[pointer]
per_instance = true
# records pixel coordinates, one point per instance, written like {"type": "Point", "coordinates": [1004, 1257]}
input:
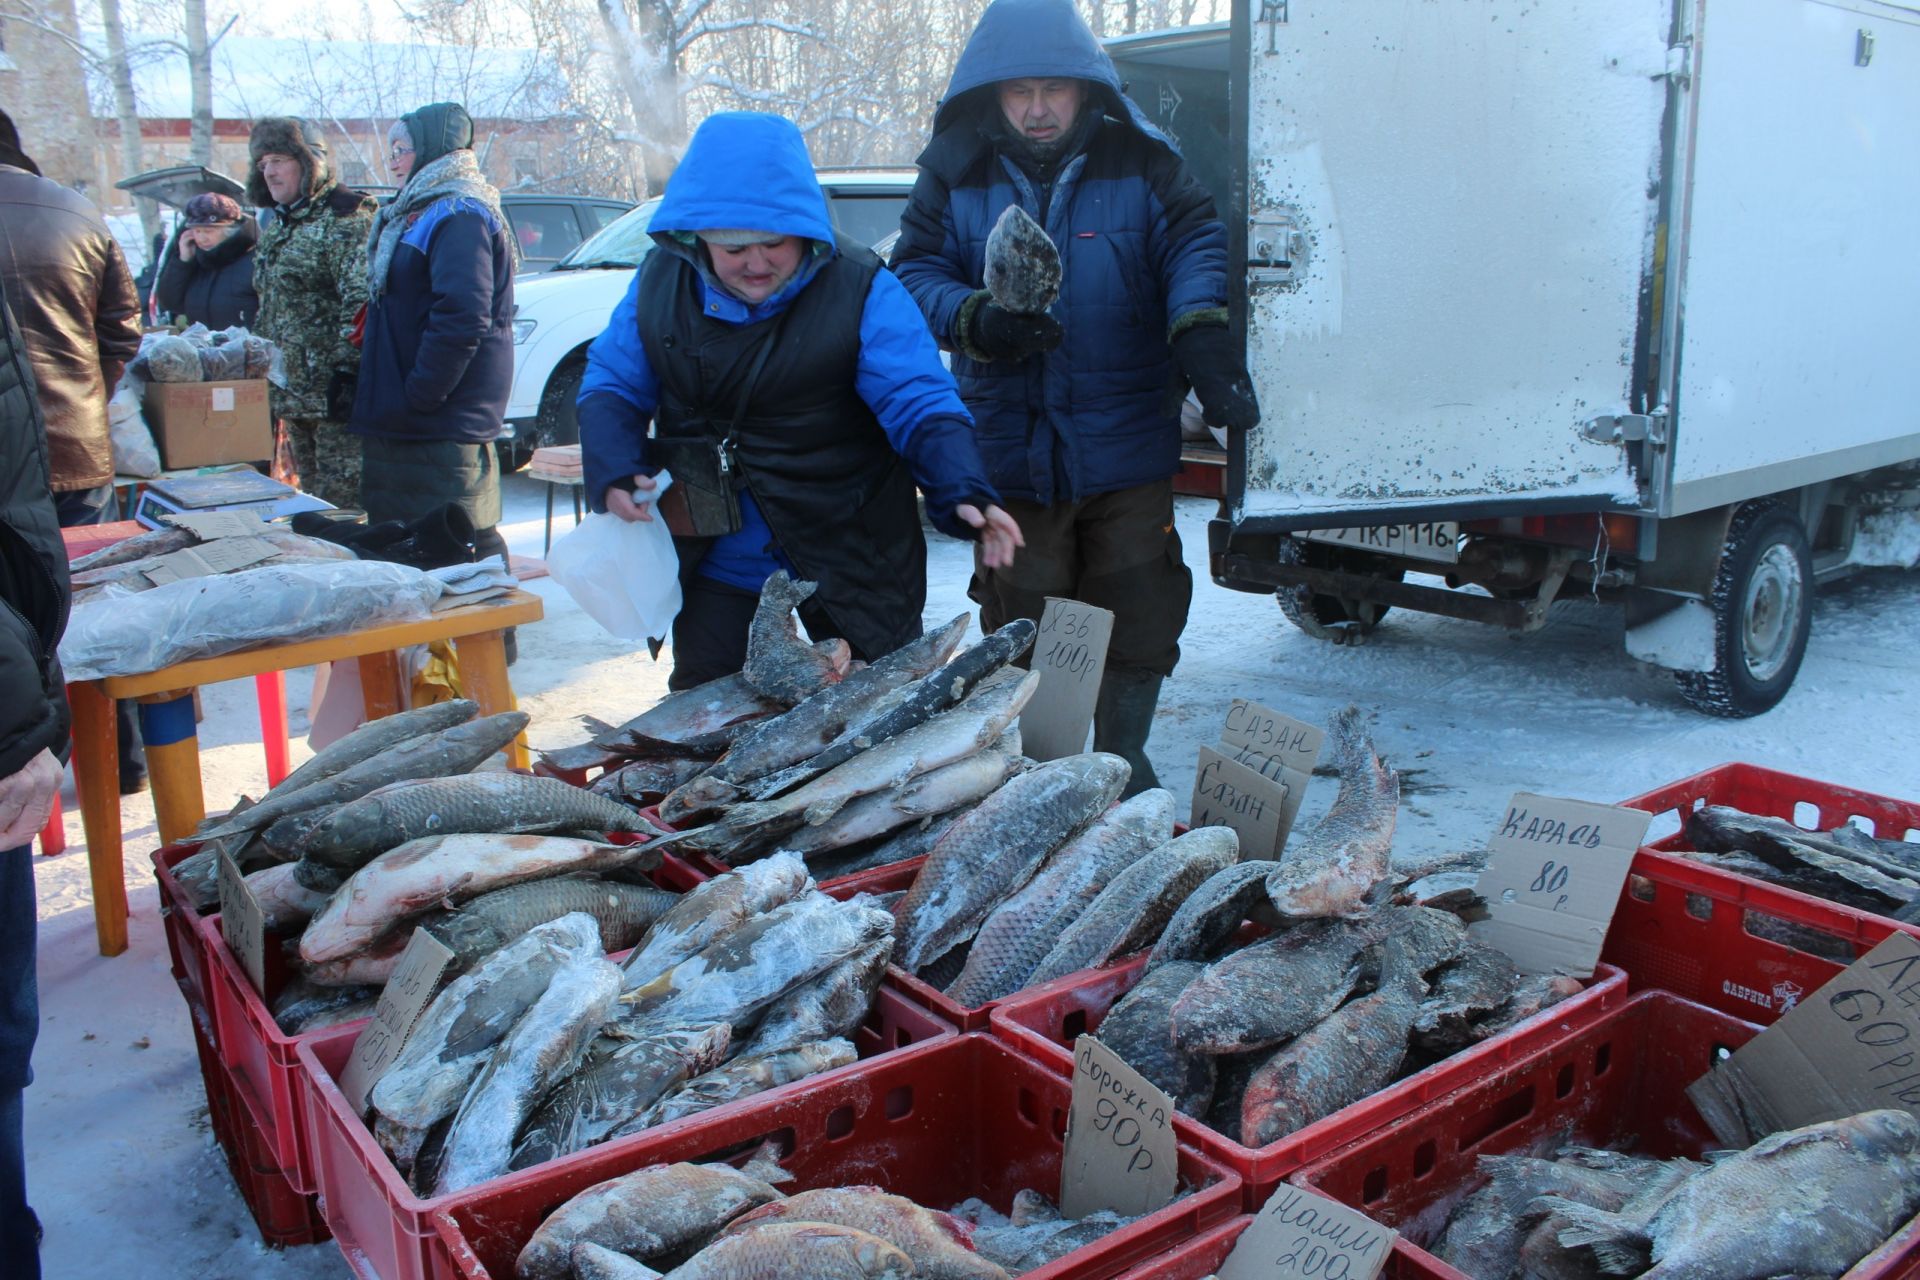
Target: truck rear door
{"type": "Point", "coordinates": [1452, 221]}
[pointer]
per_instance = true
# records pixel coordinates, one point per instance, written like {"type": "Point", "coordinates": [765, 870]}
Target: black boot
{"type": "Point", "coordinates": [442, 537]}
{"type": "Point", "coordinates": [1122, 719]}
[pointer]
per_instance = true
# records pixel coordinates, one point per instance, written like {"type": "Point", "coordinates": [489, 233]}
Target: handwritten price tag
{"type": "Point", "coordinates": [1227, 793]}
{"type": "Point", "coordinates": [1120, 1152]}
{"type": "Point", "coordinates": [1070, 653]}
{"type": "Point", "coordinates": [1276, 747]}
{"type": "Point", "coordinates": [1553, 879]}
{"type": "Point", "coordinates": [415, 980]}
{"type": "Point", "coordinates": [242, 923]}
{"type": "Point", "coordinates": [1302, 1235]}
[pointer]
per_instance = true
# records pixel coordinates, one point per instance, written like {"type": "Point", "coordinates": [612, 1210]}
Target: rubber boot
{"type": "Point", "coordinates": [442, 537]}
{"type": "Point", "coordinates": [1122, 719]}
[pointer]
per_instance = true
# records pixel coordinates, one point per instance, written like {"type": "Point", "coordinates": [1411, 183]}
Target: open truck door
{"type": "Point", "coordinates": [1519, 314]}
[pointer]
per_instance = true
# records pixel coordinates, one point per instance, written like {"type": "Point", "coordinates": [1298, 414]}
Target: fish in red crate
{"type": "Point", "coordinates": [939, 1245]}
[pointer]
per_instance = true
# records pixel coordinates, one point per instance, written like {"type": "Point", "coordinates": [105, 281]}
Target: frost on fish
{"type": "Point", "coordinates": [826, 1007]}
{"type": "Point", "coordinates": [742, 1078]}
{"type": "Point", "coordinates": [939, 1244]}
{"type": "Point", "coordinates": [653, 1211]}
{"type": "Point", "coordinates": [613, 1087]}
{"type": "Point", "coordinates": [1022, 265]}
{"type": "Point", "coordinates": [1331, 869]}
{"type": "Point", "coordinates": [713, 909]}
{"type": "Point", "coordinates": [779, 664]}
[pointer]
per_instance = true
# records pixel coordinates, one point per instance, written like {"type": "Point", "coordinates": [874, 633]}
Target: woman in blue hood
{"type": "Point", "coordinates": [796, 397]}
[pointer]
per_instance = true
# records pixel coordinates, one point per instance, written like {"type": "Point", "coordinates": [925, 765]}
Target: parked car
{"type": "Point", "coordinates": [558, 313]}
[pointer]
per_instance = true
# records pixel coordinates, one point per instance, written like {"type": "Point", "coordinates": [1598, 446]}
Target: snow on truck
{"type": "Point", "coordinates": [1609, 297]}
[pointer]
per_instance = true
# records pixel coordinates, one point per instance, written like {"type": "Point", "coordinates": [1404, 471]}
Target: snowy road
{"type": "Point", "coordinates": [120, 1158]}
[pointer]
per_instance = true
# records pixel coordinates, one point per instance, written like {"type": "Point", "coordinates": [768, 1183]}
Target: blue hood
{"type": "Point", "coordinates": [1040, 38]}
{"type": "Point", "coordinates": [749, 170]}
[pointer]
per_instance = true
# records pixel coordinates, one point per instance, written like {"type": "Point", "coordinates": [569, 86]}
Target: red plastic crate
{"type": "Point", "coordinates": [267, 1075]}
{"type": "Point", "coordinates": [962, 1118]}
{"type": "Point", "coordinates": [1685, 927]}
{"type": "Point", "coordinates": [283, 1215]}
{"type": "Point", "coordinates": [1197, 1259]}
{"type": "Point", "coordinates": [387, 1230]}
{"type": "Point", "coordinates": [1043, 1024]}
{"type": "Point", "coordinates": [181, 922]}
{"type": "Point", "coordinates": [1619, 1081]}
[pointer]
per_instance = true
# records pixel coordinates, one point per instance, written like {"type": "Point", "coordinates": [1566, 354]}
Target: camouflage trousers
{"type": "Point", "coordinates": [327, 458]}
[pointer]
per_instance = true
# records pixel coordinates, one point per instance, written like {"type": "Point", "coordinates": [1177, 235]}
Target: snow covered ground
{"type": "Point", "coordinates": [121, 1162]}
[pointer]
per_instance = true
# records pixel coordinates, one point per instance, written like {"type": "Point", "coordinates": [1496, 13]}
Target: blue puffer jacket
{"type": "Point", "coordinates": [899, 375]}
{"type": "Point", "coordinates": [1143, 255]}
{"type": "Point", "coordinates": [436, 361]}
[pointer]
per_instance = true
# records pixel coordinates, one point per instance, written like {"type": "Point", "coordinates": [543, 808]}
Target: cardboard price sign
{"type": "Point", "coordinates": [222, 555]}
{"type": "Point", "coordinates": [1120, 1152]}
{"type": "Point", "coordinates": [1302, 1235]}
{"type": "Point", "coordinates": [1553, 880]}
{"type": "Point", "coordinates": [1070, 653]}
{"type": "Point", "coordinates": [1851, 1046]}
{"type": "Point", "coordinates": [1227, 793]}
{"type": "Point", "coordinates": [208, 525]}
{"type": "Point", "coordinates": [242, 923]}
{"type": "Point", "coordinates": [414, 982]}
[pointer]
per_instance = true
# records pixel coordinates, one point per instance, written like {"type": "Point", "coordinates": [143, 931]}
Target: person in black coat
{"type": "Point", "coordinates": [208, 274]}
{"type": "Point", "coordinates": [33, 736]}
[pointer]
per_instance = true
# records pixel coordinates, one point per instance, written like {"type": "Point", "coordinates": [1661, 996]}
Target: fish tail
{"type": "Point", "coordinates": [1619, 1245]}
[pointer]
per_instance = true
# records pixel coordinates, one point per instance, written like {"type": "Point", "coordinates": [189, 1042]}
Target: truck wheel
{"type": "Point", "coordinates": [1330, 617]}
{"type": "Point", "coordinates": [1763, 611]}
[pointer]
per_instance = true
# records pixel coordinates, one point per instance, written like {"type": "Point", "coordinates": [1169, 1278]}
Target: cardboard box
{"type": "Point", "coordinates": [197, 424]}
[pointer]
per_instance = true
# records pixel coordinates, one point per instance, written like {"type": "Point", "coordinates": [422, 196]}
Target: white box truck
{"type": "Point", "coordinates": [1609, 297]}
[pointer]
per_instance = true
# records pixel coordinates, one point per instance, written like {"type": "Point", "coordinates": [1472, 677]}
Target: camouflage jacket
{"type": "Point", "coordinates": [311, 274]}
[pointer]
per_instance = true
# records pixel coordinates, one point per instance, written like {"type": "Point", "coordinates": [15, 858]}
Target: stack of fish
{"type": "Point", "coordinates": [715, 1222]}
{"type": "Point", "coordinates": [388, 829]}
{"type": "Point", "coordinates": [125, 564]}
{"type": "Point", "coordinates": [1810, 1202]}
{"type": "Point", "coordinates": [1844, 865]}
{"type": "Point", "coordinates": [750, 981]}
{"type": "Point", "coordinates": [1345, 994]}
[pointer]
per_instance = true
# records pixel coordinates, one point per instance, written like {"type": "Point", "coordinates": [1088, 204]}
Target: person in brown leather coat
{"type": "Point", "coordinates": [79, 314]}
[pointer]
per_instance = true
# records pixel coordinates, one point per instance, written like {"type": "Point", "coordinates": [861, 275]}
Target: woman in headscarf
{"type": "Point", "coordinates": [437, 354]}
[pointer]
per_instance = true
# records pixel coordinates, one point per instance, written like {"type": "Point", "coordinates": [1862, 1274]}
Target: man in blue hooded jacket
{"type": "Point", "coordinates": [1073, 411]}
{"type": "Point", "coordinates": [791, 383]}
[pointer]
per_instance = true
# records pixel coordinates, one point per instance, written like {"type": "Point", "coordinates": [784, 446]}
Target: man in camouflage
{"type": "Point", "coordinates": [310, 273]}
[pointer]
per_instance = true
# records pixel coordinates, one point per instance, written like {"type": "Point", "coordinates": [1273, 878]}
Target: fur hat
{"type": "Point", "coordinates": [286, 136]}
{"type": "Point", "coordinates": [211, 209]}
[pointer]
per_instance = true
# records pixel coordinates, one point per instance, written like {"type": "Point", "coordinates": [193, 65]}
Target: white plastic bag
{"type": "Point", "coordinates": [625, 575]}
{"type": "Point", "coordinates": [134, 453]}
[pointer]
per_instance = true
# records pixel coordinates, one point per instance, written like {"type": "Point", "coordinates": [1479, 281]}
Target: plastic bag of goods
{"type": "Point", "coordinates": [171, 358]}
{"type": "Point", "coordinates": [624, 575]}
{"type": "Point", "coordinates": [134, 452]}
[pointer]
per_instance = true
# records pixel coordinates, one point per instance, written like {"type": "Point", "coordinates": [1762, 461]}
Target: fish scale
{"type": "Point", "coordinates": [1330, 870]}
{"type": "Point", "coordinates": [1212, 912]}
{"type": "Point", "coordinates": [815, 1250]}
{"type": "Point", "coordinates": [713, 909]}
{"type": "Point", "coordinates": [1139, 1029]}
{"type": "Point", "coordinates": [994, 850]}
{"type": "Point", "coordinates": [590, 1105]}
{"type": "Point", "coordinates": [826, 1007]}
{"type": "Point", "coordinates": [1136, 905]}
{"type": "Point", "coordinates": [779, 664]}
{"type": "Point", "coordinates": [939, 1244]}
{"type": "Point", "coordinates": [744, 1077]}
{"type": "Point", "coordinates": [1021, 930]}
{"type": "Point", "coordinates": [623, 911]}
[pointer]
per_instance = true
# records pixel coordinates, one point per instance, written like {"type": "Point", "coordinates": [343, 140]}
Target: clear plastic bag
{"type": "Point", "coordinates": [624, 575]}
{"type": "Point", "coordinates": [171, 358]}
{"type": "Point", "coordinates": [134, 452]}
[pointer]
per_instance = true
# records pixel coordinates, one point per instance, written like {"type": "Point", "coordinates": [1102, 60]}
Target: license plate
{"type": "Point", "coordinates": [1436, 540]}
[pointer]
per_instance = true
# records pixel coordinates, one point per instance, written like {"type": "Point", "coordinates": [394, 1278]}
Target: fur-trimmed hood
{"type": "Point", "coordinates": [287, 136]}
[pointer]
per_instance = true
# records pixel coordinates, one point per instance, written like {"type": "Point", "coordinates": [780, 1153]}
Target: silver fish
{"type": "Point", "coordinates": [779, 664]}
{"type": "Point", "coordinates": [1806, 1202]}
{"type": "Point", "coordinates": [593, 1103]}
{"type": "Point", "coordinates": [420, 874]}
{"type": "Point", "coordinates": [964, 782]}
{"type": "Point", "coordinates": [759, 962]}
{"type": "Point", "coordinates": [914, 841]}
{"type": "Point", "coordinates": [500, 803]}
{"type": "Point", "coordinates": [713, 909]}
{"type": "Point", "coordinates": [1354, 1052]}
{"type": "Point", "coordinates": [484, 924]}
{"type": "Point", "coordinates": [593, 1262]}
{"type": "Point", "coordinates": [301, 1005]}
{"type": "Point", "coordinates": [995, 850]}
{"type": "Point", "coordinates": [655, 1211]}
{"type": "Point", "coordinates": [1330, 870]}
{"type": "Point", "coordinates": [154, 542]}
{"type": "Point", "coordinates": [811, 726]}
{"type": "Point", "coordinates": [544, 1047]}
{"type": "Point", "coordinates": [1477, 984]}
{"type": "Point", "coordinates": [940, 1245]}
{"type": "Point", "coordinates": [1136, 905]}
{"type": "Point", "coordinates": [742, 1078]}
{"type": "Point", "coordinates": [434, 755]}
{"type": "Point", "coordinates": [460, 1027]}
{"type": "Point", "coordinates": [830, 1006]}
{"type": "Point", "coordinates": [1022, 264]}
{"type": "Point", "coordinates": [693, 722]}
{"type": "Point", "coordinates": [750, 829]}
{"type": "Point", "coordinates": [1021, 930]}
{"type": "Point", "coordinates": [644, 782]}
{"type": "Point", "coordinates": [812, 1249]}
{"type": "Point", "coordinates": [286, 903]}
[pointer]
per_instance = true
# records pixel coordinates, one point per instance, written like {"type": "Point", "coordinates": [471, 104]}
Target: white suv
{"type": "Point", "coordinates": [558, 312]}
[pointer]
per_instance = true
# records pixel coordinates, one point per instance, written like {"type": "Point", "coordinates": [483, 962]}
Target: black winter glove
{"type": "Point", "coordinates": [1009, 335]}
{"type": "Point", "coordinates": [1205, 354]}
{"type": "Point", "coordinates": [341, 389]}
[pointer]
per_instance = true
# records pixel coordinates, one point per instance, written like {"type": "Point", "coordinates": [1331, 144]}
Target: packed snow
{"type": "Point", "coordinates": [121, 1161]}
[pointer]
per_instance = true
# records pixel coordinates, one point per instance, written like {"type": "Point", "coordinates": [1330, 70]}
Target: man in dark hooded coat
{"type": "Point", "coordinates": [1072, 406]}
